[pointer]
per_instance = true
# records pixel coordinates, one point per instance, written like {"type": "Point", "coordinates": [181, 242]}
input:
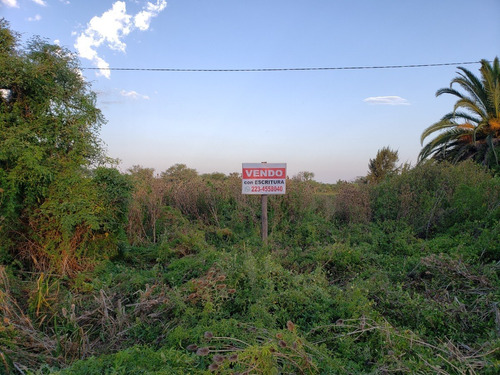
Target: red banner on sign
{"type": "Point", "coordinates": [264, 173]}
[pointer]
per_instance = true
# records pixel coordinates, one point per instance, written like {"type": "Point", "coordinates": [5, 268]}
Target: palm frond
{"type": "Point", "coordinates": [473, 106]}
{"type": "Point", "coordinates": [467, 117]}
{"type": "Point", "coordinates": [491, 81]}
{"type": "Point", "coordinates": [471, 84]}
{"type": "Point", "coordinates": [449, 145]}
{"type": "Point", "coordinates": [438, 126]}
{"type": "Point", "coordinates": [470, 130]}
{"type": "Point", "coordinates": [449, 90]}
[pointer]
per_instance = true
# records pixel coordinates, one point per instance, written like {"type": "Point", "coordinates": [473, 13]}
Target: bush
{"type": "Point", "coordinates": [352, 204]}
{"type": "Point", "coordinates": [431, 197]}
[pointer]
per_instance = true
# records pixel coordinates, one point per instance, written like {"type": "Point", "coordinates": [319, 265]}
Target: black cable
{"type": "Point", "coordinates": [286, 69]}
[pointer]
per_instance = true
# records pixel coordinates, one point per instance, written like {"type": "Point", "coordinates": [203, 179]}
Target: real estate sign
{"type": "Point", "coordinates": [263, 178]}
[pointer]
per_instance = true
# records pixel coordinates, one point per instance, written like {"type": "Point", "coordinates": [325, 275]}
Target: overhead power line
{"type": "Point", "coordinates": [287, 69]}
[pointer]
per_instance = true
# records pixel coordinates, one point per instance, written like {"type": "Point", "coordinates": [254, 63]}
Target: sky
{"type": "Point", "coordinates": [329, 122]}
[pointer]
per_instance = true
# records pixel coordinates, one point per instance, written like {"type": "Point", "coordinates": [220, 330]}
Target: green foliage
{"type": "Point", "coordinates": [383, 165]}
{"type": "Point", "coordinates": [113, 190]}
{"type": "Point", "coordinates": [432, 196]}
{"type": "Point", "coordinates": [162, 204]}
{"type": "Point", "coordinates": [472, 129]}
{"type": "Point", "coordinates": [181, 270]}
{"type": "Point", "coordinates": [304, 176]}
{"type": "Point", "coordinates": [364, 296]}
{"type": "Point", "coordinates": [81, 219]}
{"type": "Point", "coordinates": [352, 204]}
{"type": "Point", "coordinates": [282, 352]}
{"type": "Point", "coordinates": [137, 360]}
{"type": "Point", "coordinates": [359, 294]}
{"type": "Point", "coordinates": [53, 214]}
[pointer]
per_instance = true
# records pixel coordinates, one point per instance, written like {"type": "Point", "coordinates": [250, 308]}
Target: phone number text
{"type": "Point", "coordinates": [266, 189]}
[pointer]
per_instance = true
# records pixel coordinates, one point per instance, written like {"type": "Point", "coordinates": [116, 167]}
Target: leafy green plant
{"type": "Point", "coordinates": [352, 204]}
{"type": "Point", "coordinates": [285, 351]}
{"type": "Point", "coordinates": [427, 197]}
{"type": "Point", "coordinates": [54, 214]}
{"type": "Point", "coordinates": [136, 360]}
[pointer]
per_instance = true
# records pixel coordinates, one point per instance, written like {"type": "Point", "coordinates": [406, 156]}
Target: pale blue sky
{"type": "Point", "coordinates": [319, 121]}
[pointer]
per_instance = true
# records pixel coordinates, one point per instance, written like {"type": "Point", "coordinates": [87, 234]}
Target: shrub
{"type": "Point", "coordinates": [431, 196]}
{"type": "Point", "coordinates": [352, 204]}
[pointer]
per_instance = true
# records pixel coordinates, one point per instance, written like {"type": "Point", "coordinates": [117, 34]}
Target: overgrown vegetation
{"type": "Point", "coordinates": [402, 276]}
{"type": "Point", "coordinates": [57, 213]}
{"type": "Point", "coordinates": [105, 272]}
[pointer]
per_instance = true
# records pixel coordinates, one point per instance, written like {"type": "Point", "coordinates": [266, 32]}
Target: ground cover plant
{"type": "Point", "coordinates": [367, 291]}
{"type": "Point", "coordinates": [105, 272]}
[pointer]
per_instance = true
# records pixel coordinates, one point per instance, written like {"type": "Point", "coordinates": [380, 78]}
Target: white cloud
{"type": "Point", "coordinates": [111, 28]}
{"type": "Point", "coordinates": [143, 18]}
{"type": "Point", "coordinates": [40, 2]}
{"type": "Point", "coordinates": [36, 18]}
{"type": "Point", "coordinates": [133, 95]}
{"type": "Point", "coordinates": [386, 100]}
{"type": "Point", "coordinates": [10, 3]}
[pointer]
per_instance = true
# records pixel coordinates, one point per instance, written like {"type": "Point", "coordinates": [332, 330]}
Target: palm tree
{"type": "Point", "coordinates": [472, 129]}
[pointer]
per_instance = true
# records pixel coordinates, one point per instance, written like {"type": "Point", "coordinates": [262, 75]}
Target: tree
{"type": "Point", "coordinates": [472, 129]}
{"type": "Point", "coordinates": [383, 165]}
{"type": "Point", "coordinates": [304, 176]}
{"type": "Point", "coordinates": [179, 172]}
{"type": "Point", "coordinates": [147, 207]}
{"type": "Point", "coordinates": [50, 204]}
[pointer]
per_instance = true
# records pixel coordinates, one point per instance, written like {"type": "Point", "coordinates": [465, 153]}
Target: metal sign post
{"type": "Point", "coordinates": [264, 219]}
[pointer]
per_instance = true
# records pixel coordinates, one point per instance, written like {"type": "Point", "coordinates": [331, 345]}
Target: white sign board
{"type": "Point", "coordinates": [263, 178]}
